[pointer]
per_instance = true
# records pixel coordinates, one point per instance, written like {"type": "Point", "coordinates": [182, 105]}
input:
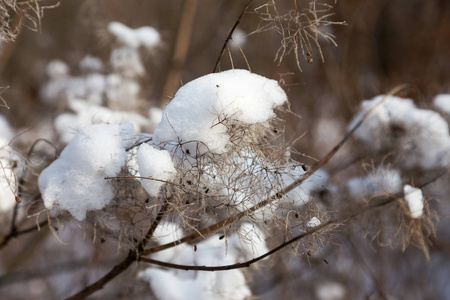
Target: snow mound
{"type": "Point", "coordinates": [76, 180]}
{"type": "Point", "coordinates": [199, 107]}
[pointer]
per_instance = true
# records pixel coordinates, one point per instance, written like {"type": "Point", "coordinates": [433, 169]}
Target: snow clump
{"type": "Point", "coordinates": [414, 197]}
{"type": "Point", "coordinates": [76, 180]}
{"type": "Point", "coordinates": [196, 112]}
{"type": "Point", "coordinates": [419, 138]}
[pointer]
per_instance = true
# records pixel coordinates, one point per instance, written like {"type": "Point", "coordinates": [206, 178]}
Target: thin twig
{"type": "Point", "coordinates": [230, 34]}
{"type": "Point", "coordinates": [121, 267]}
{"type": "Point", "coordinates": [271, 252]}
{"type": "Point", "coordinates": [15, 233]}
{"type": "Point", "coordinates": [366, 267]}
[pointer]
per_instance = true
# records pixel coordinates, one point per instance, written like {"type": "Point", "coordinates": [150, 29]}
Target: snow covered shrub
{"type": "Point", "coordinates": [226, 193]}
{"type": "Point", "coordinates": [216, 155]}
{"type": "Point", "coordinates": [418, 138]}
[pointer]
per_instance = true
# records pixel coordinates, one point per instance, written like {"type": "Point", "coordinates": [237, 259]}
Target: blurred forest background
{"type": "Point", "coordinates": [382, 45]}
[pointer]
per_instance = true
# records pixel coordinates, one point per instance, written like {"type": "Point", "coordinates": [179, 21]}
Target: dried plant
{"type": "Point", "coordinates": [300, 29]}
{"type": "Point", "coordinates": [17, 13]}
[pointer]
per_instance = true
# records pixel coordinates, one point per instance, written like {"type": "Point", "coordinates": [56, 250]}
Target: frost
{"type": "Point", "coordinates": [414, 197]}
{"type": "Point", "coordinates": [75, 181]}
{"type": "Point", "coordinates": [155, 164]}
{"type": "Point", "coordinates": [419, 138]}
{"type": "Point", "coordinates": [195, 112]}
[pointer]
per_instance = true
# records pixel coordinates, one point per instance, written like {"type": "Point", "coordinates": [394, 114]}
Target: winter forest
{"type": "Point", "coordinates": [247, 149]}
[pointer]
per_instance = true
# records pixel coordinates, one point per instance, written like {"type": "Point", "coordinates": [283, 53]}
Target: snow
{"type": "Point", "coordinates": [313, 222]}
{"type": "Point", "coordinates": [155, 115]}
{"type": "Point", "coordinates": [442, 103]}
{"type": "Point", "coordinates": [57, 69]}
{"type": "Point", "coordinates": [86, 113]}
{"type": "Point", "coordinates": [194, 113]}
{"type": "Point", "coordinates": [330, 291]}
{"type": "Point", "coordinates": [166, 285]}
{"type": "Point", "coordinates": [177, 285]}
{"type": "Point", "coordinates": [145, 36]}
{"type": "Point", "coordinates": [75, 181]}
{"type": "Point", "coordinates": [7, 159]}
{"type": "Point", "coordinates": [127, 62]}
{"type": "Point", "coordinates": [302, 193]}
{"type": "Point", "coordinates": [239, 39]}
{"type": "Point", "coordinates": [420, 138]}
{"type": "Point", "coordinates": [414, 197]}
{"type": "Point", "coordinates": [382, 180]}
{"type": "Point", "coordinates": [91, 64]}
{"type": "Point", "coordinates": [249, 241]}
{"type": "Point", "coordinates": [157, 164]}
{"type": "Point", "coordinates": [122, 92]}
{"type": "Point", "coordinates": [6, 133]}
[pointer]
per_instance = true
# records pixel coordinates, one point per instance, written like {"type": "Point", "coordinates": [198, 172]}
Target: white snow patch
{"type": "Point", "coordinates": [414, 197]}
{"type": "Point", "coordinates": [75, 181]}
{"type": "Point", "coordinates": [313, 222]}
{"type": "Point", "coordinates": [156, 164]}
